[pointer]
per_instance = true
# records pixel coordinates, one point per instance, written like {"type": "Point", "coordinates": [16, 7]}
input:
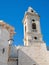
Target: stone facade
{"type": "Point", "coordinates": [34, 51]}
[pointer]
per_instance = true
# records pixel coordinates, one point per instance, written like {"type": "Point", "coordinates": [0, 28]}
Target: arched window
{"type": "Point", "coordinates": [33, 26]}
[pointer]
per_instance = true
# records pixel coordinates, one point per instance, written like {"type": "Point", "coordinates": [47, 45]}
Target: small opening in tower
{"type": "Point", "coordinates": [3, 50]}
{"type": "Point", "coordinates": [33, 26]}
{"type": "Point", "coordinates": [35, 38]}
{"type": "Point", "coordinates": [33, 20]}
{"type": "Point", "coordinates": [31, 10]}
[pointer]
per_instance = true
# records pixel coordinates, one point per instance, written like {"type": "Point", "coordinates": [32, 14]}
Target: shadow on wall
{"type": "Point", "coordinates": [24, 59]}
{"type": "Point", "coordinates": [48, 48]}
{"type": "Point", "coordinates": [13, 52]}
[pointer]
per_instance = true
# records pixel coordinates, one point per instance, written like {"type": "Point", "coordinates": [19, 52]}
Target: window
{"type": "Point", "coordinates": [3, 50]}
{"type": "Point", "coordinates": [33, 20]}
{"type": "Point", "coordinates": [33, 26]}
{"type": "Point", "coordinates": [35, 38]}
{"type": "Point", "coordinates": [31, 10]}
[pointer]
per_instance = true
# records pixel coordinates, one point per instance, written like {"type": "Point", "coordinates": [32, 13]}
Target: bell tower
{"type": "Point", "coordinates": [32, 32]}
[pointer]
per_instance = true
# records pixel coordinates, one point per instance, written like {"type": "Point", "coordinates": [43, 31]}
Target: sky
{"type": "Point", "coordinates": [12, 12]}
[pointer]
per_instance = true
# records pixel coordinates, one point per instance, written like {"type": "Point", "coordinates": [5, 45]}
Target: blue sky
{"type": "Point", "coordinates": [12, 12]}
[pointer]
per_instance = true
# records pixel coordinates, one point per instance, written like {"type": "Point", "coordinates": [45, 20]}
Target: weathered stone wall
{"type": "Point", "coordinates": [12, 63]}
{"type": "Point", "coordinates": [4, 46]}
{"type": "Point", "coordinates": [36, 54]}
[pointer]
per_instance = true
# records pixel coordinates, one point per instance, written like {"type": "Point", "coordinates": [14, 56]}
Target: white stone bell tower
{"type": "Point", "coordinates": [32, 32]}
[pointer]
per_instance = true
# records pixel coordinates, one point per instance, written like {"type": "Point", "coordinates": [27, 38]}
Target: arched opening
{"type": "Point", "coordinates": [33, 26]}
